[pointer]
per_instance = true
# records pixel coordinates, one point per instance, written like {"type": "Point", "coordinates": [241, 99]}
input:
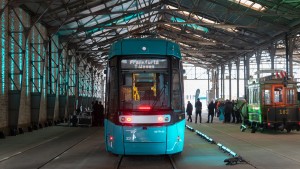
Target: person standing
{"type": "Point", "coordinates": [95, 113]}
{"type": "Point", "coordinates": [216, 108]}
{"type": "Point", "coordinates": [189, 110]}
{"type": "Point", "coordinates": [211, 111]}
{"type": "Point", "coordinates": [227, 111]}
{"type": "Point", "coordinates": [198, 106]}
{"type": "Point", "coordinates": [101, 111]}
{"type": "Point", "coordinates": [233, 111]}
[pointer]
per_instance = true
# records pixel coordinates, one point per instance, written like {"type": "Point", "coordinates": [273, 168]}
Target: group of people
{"type": "Point", "coordinates": [198, 107]}
{"type": "Point", "coordinates": [227, 110]}
{"type": "Point", "coordinates": [230, 110]}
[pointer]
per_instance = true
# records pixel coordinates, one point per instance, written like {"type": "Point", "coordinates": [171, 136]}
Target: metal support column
{"type": "Point", "coordinates": [237, 63]}
{"type": "Point", "coordinates": [77, 62]}
{"type": "Point", "coordinates": [287, 55]}
{"type": "Point", "coordinates": [258, 59]}
{"type": "Point", "coordinates": [62, 86]}
{"type": "Point", "coordinates": [72, 84]}
{"type": "Point", "coordinates": [291, 50]}
{"type": "Point", "coordinates": [223, 82]}
{"type": "Point", "coordinates": [229, 68]}
{"type": "Point", "coordinates": [272, 51]}
{"type": "Point", "coordinates": [246, 74]}
{"type": "Point", "coordinates": [208, 79]}
{"type": "Point", "coordinates": [217, 83]}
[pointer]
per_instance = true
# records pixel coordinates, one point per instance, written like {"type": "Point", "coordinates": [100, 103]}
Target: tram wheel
{"type": "Point", "coordinates": [288, 130]}
{"type": "Point", "coordinates": [262, 129]}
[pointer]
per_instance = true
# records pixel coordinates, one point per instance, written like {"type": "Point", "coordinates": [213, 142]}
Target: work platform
{"type": "Point", "coordinates": [83, 147]}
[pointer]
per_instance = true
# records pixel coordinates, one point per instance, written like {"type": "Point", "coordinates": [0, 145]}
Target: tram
{"type": "Point", "coordinates": [272, 104]}
{"type": "Point", "coordinates": [144, 98]}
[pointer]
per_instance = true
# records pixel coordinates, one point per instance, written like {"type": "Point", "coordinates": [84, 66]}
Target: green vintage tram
{"type": "Point", "coordinates": [272, 104]}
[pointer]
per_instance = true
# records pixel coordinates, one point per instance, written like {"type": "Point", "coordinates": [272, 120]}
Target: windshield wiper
{"type": "Point", "coordinates": [158, 96]}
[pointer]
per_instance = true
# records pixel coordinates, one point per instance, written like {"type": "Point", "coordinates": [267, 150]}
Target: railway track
{"type": "Point", "coordinates": [64, 151]}
{"type": "Point", "coordinates": [45, 158]}
{"type": "Point", "coordinates": [151, 162]}
{"type": "Point", "coordinates": [258, 143]}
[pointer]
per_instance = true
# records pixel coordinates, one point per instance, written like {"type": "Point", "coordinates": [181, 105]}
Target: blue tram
{"type": "Point", "coordinates": [144, 98]}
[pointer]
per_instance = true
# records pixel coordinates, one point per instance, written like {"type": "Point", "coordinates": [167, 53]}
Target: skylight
{"type": "Point", "coordinates": [250, 4]}
{"type": "Point", "coordinates": [202, 19]}
{"type": "Point", "coordinates": [194, 26]}
{"type": "Point", "coordinates": [188, 14]}
{"type": "Point", "coordinates": [168, 25]}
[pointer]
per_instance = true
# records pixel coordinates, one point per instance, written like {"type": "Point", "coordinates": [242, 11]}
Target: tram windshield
{"type": "Point", "coordinates": [144, 90]}
{"type": "Point", "coordinates": [278, 94]}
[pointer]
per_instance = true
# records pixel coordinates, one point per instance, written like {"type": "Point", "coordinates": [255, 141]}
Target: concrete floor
{"type": "Point", "coordinates": [82, 147]}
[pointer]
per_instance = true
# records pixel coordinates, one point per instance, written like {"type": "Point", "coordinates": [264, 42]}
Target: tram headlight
{"type": "Point", "coordinates": [160, 119]}
{"type": "Point", "coordinates": [128, 119]}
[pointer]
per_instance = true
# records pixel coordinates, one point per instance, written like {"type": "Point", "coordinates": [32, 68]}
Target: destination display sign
{"type": "Point", "coordinates": [144, 63]}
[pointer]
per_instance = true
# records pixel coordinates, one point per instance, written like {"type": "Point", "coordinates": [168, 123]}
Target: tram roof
{"type": "Point", "coordinates": [210, 33]}
{"type": "Point", "coordinates": [145, 46]}
{"type": "Point", "coordinates": [271, 79]}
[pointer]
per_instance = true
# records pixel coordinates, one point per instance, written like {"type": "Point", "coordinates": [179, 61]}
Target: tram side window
{"type": "Point", "coordinates": [113, 93]}
{"type": "Point", "coordinates": [290, 95]}
{"type": "Point", "coordinates": [126, 92]}
{"type": "Point", "coordinates": [250, 96]}
{"type": "Point", "coordinates": [176, 98]}
{"type": "Point", "coordinates": [267, 96]}
{"type": "Point", "coordinates": [254, 97]}
{"type": "Point", "coordinates": [277, 94]}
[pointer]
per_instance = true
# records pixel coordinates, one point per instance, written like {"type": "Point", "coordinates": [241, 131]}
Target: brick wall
{"type": "Point", "coordinates": [38, 33]}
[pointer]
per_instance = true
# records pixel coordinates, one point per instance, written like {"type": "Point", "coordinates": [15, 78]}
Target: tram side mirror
{"type": "Point", "coordinates": [105, 72]}
{"type": "Point", "coordinates": [183, 71]}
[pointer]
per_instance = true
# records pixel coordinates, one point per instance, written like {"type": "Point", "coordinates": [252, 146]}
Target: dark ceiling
{"type": "Point", "coordinates": [210, 32]}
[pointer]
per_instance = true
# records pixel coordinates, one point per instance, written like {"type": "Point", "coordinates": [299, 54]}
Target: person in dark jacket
{"type": "Point", "coordinates": [101, 114]}
{"type": "Point", "coordinates": [211, 111]}
{"type": "Point", "coordinates": [227, 111]}
{"type": "Point", "coordinates": [189, 110]}
{"type": "Point", "coordinates": [95, 114]}
{"type": "Point", "coordinates": [198, 106]}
